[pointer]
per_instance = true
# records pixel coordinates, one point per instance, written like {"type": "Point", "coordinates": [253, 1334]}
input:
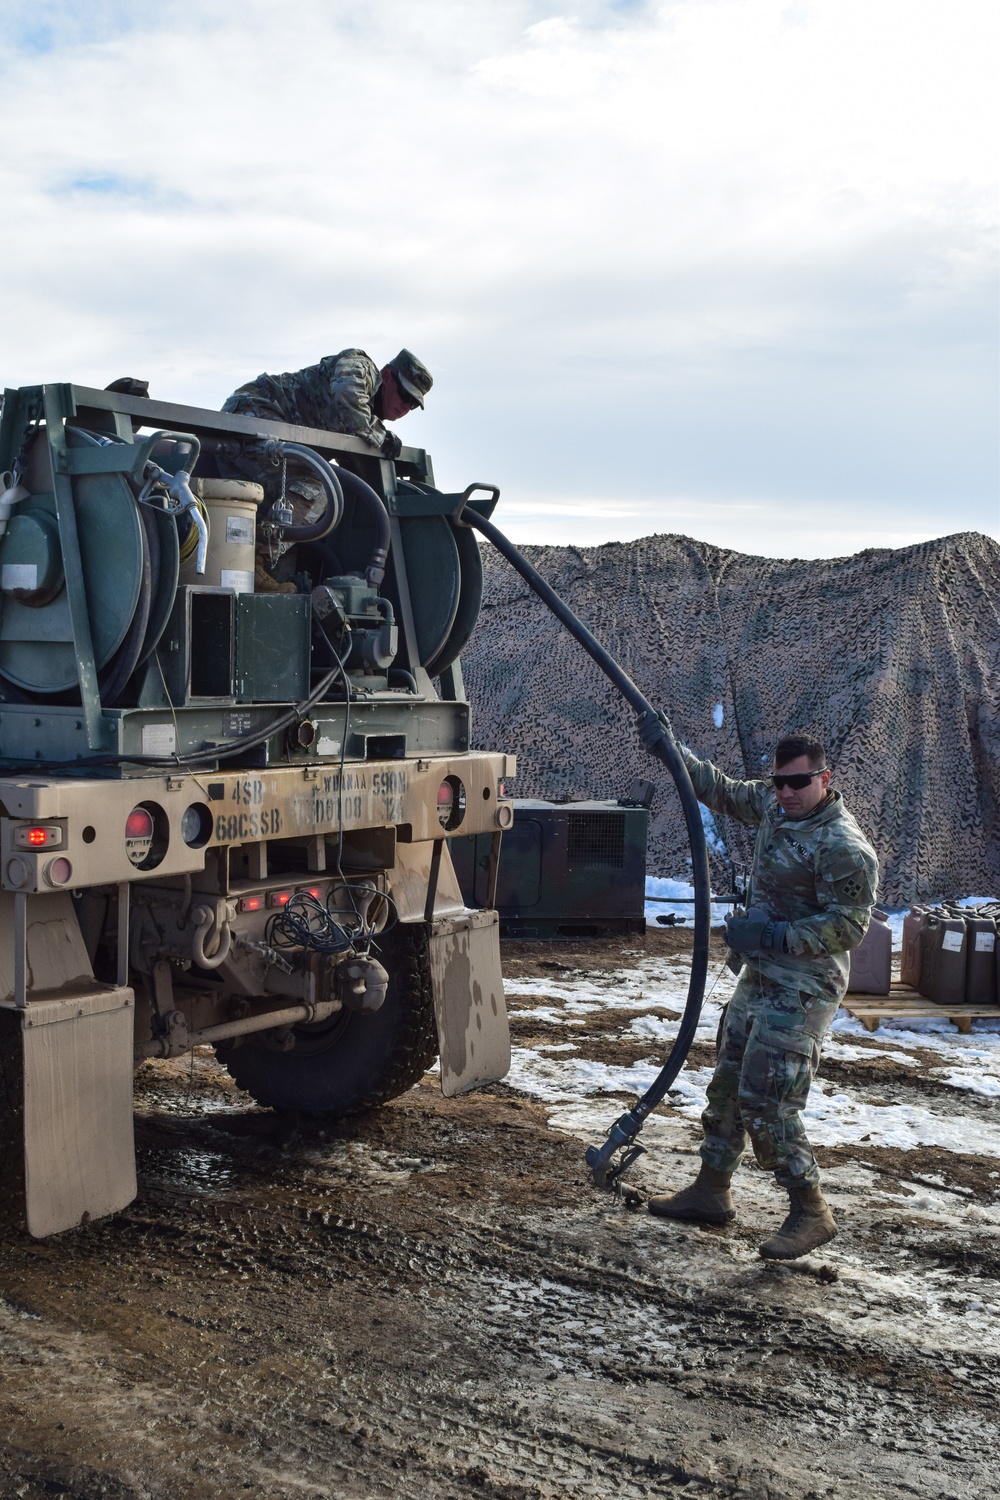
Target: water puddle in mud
{"type": "Point", "coordinates": [201, 1171]}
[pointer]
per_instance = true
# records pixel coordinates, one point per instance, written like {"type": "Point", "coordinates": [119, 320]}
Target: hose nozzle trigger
{"type": "Point", "coordinates": [621, 1137]}
{"type": "Point", "coordinates": [613, 1179]}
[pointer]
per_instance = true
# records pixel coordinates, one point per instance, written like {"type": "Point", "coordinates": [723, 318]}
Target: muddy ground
{"type": "Point", "coordinates": [434, 1301]}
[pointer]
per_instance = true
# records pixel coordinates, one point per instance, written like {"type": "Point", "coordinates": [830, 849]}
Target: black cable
{"type": "Point", "coordinates": [624, 1131]}
{"type": "Point", "coordinates": [343, 744]}
{"type": "Point", "coordinates": [392, 910]}
{"type": "Point", "coordinates": [192, 757]}
{"type": "Point", "coordinates": [305, 925]}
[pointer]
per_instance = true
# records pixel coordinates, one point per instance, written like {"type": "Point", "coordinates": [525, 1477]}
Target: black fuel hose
{"type": "Point", "coordinates": [336, 480]}
{"type": "Point", "coordinates": [354, 485]}
{"type": "Point", "coordinates": [330, 480]}
{"type": "Point", "coordinates": [623, 1133]}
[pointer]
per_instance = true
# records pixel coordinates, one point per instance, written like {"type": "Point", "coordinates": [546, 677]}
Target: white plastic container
{"type": "Point", "coordinates": [231, 505]}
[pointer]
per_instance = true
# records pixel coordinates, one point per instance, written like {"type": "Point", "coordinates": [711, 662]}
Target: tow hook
{"type": "Point", "coordinates": [208, 921]}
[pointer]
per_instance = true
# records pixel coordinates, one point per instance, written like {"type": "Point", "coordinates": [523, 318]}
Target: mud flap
{"type": "Point", "coordinates": [79, 1150]}
{"type": "Point", "coordinates": [473, 1037]}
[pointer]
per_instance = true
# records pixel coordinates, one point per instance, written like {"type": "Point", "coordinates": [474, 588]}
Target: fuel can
{"type": "Point", "coordinates": [943, 957]}
{"type": "Point", "coordinates": [914, 922]}
{"type": "Point", "coordinates": [981, 962]}
{"type": "Point", "coordinates": [871, 960]}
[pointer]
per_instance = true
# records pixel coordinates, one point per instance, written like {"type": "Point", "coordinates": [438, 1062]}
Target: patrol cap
{"type": "Point", "coordinates": [414, 377]}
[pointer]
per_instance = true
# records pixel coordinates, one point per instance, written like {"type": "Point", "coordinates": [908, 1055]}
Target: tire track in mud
{"type": "Point", "coordinates": [721, 1345]}
{"type": "Point", "coordinates": [434, 1301]}
{"type": "Point", "coordinates": [454, 1436]}
{"type": "Point", "coordinates": [442, 1440]}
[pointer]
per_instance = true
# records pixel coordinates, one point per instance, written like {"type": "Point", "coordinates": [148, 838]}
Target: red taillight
{"type": "Point", "coordinates": [279, 898]}
{"type": "Point", "coordinates": [139, 824]}
{"type": "Point", "coordinates": [39, 836]}
{"type": "Point", "coordinates": [251, 903]}
{"type": "Point", "coordinates": [450, 803]}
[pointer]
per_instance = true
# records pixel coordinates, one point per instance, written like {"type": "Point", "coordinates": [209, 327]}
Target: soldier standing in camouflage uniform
{"type": "Point", "coordinates": [812, 888]}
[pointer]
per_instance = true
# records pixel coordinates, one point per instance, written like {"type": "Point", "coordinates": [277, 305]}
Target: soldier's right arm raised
{"type": "Point", "coordinates": [743, 800]}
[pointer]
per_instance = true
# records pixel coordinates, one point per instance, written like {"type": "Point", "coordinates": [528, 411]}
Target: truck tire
{"type": "Point", "coordinates": [350, 1063]}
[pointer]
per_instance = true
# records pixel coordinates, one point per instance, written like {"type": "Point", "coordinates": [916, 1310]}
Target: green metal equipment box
{"type": "Point", "coordinates": [572, 869]}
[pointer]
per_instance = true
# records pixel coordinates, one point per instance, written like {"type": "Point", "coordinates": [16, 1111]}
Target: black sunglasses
{"type": "Point", "coordinates": [798, 782]}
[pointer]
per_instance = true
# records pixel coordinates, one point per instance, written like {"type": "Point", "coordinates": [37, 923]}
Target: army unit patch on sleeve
{"type": "Point", "coordinates": [854, 888]}
{"type": "Point", "coordinates": [852, 885]}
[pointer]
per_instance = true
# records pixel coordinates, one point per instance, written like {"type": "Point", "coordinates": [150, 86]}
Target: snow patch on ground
{"type": "Point", "coordinates": [844, 1051]}
{"type": "Point", "coordinates": [578, 1089]}
{"type": "Point", "coordinates": [969, 1078]}
{"type": "Point", "coordinates": [982, 1044]}
{"type": "Point", "coordinates": [675, 890]}
{"type": "Point", "coordinates": [652, 982]}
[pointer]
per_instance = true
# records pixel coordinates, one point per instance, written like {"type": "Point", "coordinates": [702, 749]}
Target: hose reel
{"type": "Point", "coordinates": [129, 561]}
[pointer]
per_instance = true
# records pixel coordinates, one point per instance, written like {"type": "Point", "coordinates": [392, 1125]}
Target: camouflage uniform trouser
{"type": "Point", "coordinates": [768, 1055]}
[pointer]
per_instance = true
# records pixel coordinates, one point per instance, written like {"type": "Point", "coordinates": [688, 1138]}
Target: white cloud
{"type": "Point", "coordinates": [702, 247]}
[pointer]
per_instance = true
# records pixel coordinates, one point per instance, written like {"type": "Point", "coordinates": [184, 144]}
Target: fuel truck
{"type": "Point", "coordinates": [234, 745]}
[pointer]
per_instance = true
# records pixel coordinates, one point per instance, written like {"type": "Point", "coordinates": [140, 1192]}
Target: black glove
{"type": "Point", "coordinates": [651, 728]}
{"type": "Point", "coordinates": [754, 932]}
{"type": "Point", "coordinates": [391, 446]}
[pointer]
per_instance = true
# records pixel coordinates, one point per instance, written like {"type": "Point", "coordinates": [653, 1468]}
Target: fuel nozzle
{"type": "Point", "coordinates": [621, 1138]}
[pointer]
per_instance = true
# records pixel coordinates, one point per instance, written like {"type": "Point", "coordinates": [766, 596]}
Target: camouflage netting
{"type": "Point", "coordinates": [891, 657]}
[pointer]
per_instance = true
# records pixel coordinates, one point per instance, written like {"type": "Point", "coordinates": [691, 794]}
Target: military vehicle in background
{"type": "Point", "coordinates": [227, 777]}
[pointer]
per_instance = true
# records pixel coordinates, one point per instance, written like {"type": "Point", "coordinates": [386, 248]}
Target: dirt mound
{"type": "Point", "coordinates": [891, 657]}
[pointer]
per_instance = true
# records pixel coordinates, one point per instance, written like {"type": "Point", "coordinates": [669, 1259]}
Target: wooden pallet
{"type": "Point", "coordinates": [905, 1003]}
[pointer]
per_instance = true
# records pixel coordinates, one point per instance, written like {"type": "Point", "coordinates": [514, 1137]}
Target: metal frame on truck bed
{"type": "Point", "coordinates": [225, 812]}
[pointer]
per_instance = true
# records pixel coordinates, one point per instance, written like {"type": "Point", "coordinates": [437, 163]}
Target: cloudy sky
{"type": "Point", "coordinates": [722, 267]}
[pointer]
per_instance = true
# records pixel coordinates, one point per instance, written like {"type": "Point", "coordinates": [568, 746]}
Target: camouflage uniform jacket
{"type": "Point", "coordinates": [336, 395]}
{"type": "Point", "coordinates": [819, 874]}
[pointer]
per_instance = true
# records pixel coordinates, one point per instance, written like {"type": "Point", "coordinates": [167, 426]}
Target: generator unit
{"type": "Point", "coordinates": [565, 870]}
{"type": "Point", "coordinates": [234, 752]}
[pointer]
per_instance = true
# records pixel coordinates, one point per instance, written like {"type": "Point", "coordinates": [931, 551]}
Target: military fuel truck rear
{"type": "Point", "coordinates": [234, 744]}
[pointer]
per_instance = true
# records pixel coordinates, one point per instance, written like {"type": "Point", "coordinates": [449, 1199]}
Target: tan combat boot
{"type": "Point", "coordinates": [707, 1201]}
{"type": "Point", "coordinates": [809, 1225]}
